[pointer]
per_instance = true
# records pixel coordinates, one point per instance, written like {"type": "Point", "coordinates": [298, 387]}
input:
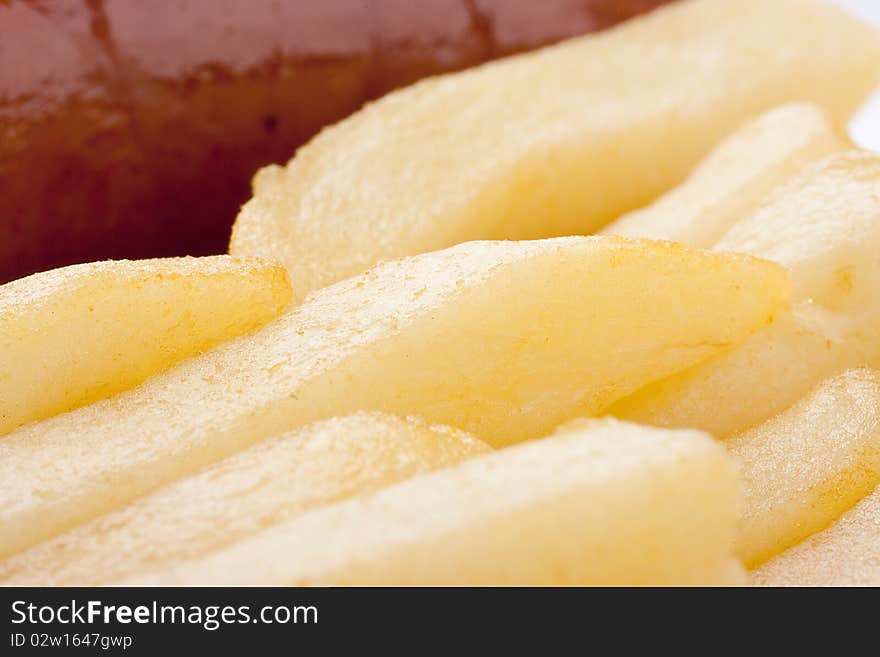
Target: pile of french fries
{"type": "Point", "coordinates": [420, 366]}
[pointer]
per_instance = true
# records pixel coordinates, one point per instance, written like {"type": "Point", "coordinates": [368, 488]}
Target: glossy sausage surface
{"type": "Point", "coordinates": [132, 128]}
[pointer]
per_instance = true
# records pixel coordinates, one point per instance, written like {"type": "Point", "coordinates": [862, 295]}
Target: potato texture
{"type": "Point", "coordinates": [824, 226]}
{"type": "Point", "coordinates": [250, 491]}
{"type": "Point", "coordinates": [600, 502]}
{"type": "Point", "coordinates": [558, 142]}
{"type": "Point", "coordinates": [504, 339]}
{"type": "Point", "coordinates": [803, 468]}
{"type": "Point", "coordinates": [160, 111]}
{"type": "Point", "coordinates": [845, 554]}
{"type": "Point", "coordinates": [74, 335]}
{"type": "Point", "coordinates": [735, 177]}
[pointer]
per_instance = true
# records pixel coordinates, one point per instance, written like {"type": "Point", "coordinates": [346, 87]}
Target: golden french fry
{"type": "Point", "coordinates": [803, 468]}
{"type": "Point", "coordinates": [817, 228]}
{"type": "Point", "coordinates": [505, 339]}
{"type": "Point", "coordinates": [600, 502]}
{"type": "Point", "coordinates": [247, 492]}
{"type": "Point", "coordinates": [845, 554]}
{"type": "Point", "coordinates": [74, 335]}
{"type": "Point", "coordinates": [735, 177]}
{"type": "Point", "coordinates": [824, 226]}
{"type": "Point", "coordinates": [557, 142]}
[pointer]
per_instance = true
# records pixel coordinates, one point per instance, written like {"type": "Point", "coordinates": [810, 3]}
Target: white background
{"type": "Point", "coordinates": [865, 127]}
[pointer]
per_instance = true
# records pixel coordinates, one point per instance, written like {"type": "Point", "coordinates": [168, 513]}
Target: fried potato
{"type": "Point", "coordinates": [505, 339]}
{"type": "Point", "coordinates": [250, 491]}
{"type": "Point", "coordinates": [74, 335]}
{"type": "Point", "coordinates": [736, 177]}
{"type": "Point", "coordinates": [818, 227]}
{"type": "Point", "coordinates": [803, 468]}
{"type": "Point", "coordinates": [845, 554]}
{"type": "Point", "coordinates": [557, 142]}
{"type": "Point", "coordinates": [824, 226]}
{"type": "Point", "coordinates": [600, 502]}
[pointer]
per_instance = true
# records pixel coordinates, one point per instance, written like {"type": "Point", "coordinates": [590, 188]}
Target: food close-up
{"type": "Point", "coordinates": [441, 293]}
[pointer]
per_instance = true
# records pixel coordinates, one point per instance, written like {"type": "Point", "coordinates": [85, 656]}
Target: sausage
{"type": "Point", "coordinates": [132, 129]}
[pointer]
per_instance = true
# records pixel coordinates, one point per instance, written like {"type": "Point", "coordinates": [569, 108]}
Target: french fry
{"type": "Point", "coordinates": [845, 554]}
{"type": "Point", "coordinates": [247, 492]}
{"type": "Point", "coordinates": [824, 226]}
{"type": "Point", "coordinates": [74, 335]}
{"type": "Point", "coordinates": [803, 468]}
{"type": "Point", "coordinates": [600, 502]}
{"type": "Point", "coordinates": [557, 142]}
{"type": "Point", "coordinates": [735, 177]}
{"type": "Point", "coordinates": [504, 339]}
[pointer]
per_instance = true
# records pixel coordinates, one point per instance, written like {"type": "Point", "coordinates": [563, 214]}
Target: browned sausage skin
{"type": "Point", "coordinates": [132, 129]}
